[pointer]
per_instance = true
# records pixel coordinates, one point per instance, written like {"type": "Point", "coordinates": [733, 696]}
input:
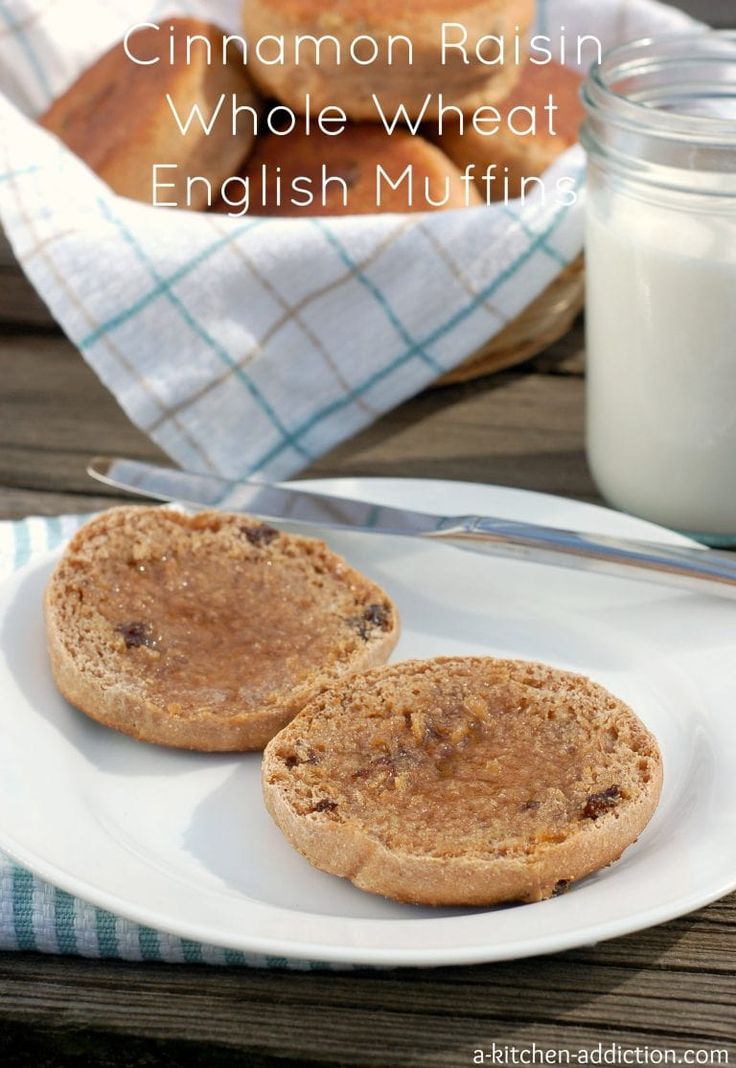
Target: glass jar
{"type": "Point", "coordinates": [660, 134]}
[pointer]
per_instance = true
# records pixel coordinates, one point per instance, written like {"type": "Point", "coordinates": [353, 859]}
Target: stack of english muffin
{"type": "Point", "coordinates": [117, 119]}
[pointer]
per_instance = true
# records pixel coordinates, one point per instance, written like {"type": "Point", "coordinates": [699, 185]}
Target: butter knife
{"type": "Point", "coordinates": [684, 567]}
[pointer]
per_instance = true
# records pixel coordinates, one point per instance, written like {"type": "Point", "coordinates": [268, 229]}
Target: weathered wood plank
{"type": "Point", "coordinates": [54, 415]}
{"type": "Point", "coordinates": [6, 253]}
{"type": "Point", "coordinates": [719, 13]}
{"type": "Point", "coordinates": [520, 429]}
{"type": "Point", "coordinates": [375, 1018]}
{"type": "Point", "coordinates": [19, 302]}
{"type": "Point", "coordinates": [512, 429]}
{"type": "Point", "coordinates": [19, 503]}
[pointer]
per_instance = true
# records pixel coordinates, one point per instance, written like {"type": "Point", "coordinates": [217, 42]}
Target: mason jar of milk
{"type": "Point", "coordinates": [660, 134]}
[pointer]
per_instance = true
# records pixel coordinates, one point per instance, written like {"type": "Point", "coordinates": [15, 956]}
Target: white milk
{"type": "Point", "coordinates": [661, 321]}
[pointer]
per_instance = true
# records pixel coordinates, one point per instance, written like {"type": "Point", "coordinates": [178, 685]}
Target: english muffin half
{"type": "Point", "coordinates": [463, 781]}
{"type": "Point", "coordinates": [209, 631]}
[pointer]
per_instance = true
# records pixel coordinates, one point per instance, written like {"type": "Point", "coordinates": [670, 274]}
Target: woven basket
{"type": "Point", "coordinates": [545, 320]}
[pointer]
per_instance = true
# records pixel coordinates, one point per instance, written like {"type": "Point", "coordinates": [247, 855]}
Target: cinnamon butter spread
{"type": "Point", "coordinates": [216, 615]}
{"type": "Point", "coordinates": [458, 756]}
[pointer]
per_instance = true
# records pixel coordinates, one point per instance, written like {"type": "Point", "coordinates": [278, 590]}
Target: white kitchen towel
{"type": "Point", "coordinates": [251, 345]}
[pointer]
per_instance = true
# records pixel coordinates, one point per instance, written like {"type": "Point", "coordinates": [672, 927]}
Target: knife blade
{"type": "Point", "coordinates": [682, 567]}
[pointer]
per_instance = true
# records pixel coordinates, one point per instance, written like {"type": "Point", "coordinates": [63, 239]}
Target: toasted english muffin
{"type": "Point", "coordinates": [209, 631]}
{"type": "Point", "coordinates": [463, 781]}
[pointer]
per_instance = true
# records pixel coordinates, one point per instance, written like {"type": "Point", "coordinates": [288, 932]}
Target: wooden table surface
{"type": "Point", "coordinates": [671, 987]}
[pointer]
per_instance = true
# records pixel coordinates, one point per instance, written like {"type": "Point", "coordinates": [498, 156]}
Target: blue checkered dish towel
{"type": "Point", "coordinates": [243, 346]}
{"type": "Point", "coordinates": [254, 345]}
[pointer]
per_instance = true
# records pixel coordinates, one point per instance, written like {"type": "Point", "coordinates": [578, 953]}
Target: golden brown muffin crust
{"type": "Point", "coordinates": [523, 156]}
{"type": "Point", "coordinates": [353, 156]}
{"type": "Point", "coordinates": [206, 631]}
{"type": "Point", "coordinates": [533, 89]}
{"type": "Point", "coordinates": [463, 780]}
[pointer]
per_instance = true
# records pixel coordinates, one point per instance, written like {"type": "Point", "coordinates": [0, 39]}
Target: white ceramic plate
{"type": "Point", "coordinates": [182, 842]}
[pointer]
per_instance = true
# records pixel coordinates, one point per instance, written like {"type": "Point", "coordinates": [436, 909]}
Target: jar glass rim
{"type": "Point", "coordinates": [701, 49]}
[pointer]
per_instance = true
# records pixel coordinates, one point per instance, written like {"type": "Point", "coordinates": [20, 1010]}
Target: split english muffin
{"type": "Point", "coordinates": [117, 119]}
{"type": "Point", "coordinates": [463, 781]}
{"type": "Point", "coordinates": [206, 632]}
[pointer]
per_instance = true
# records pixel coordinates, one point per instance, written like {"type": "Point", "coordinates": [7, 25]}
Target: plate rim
{"type": "Point", "coordinates": [319, 953]}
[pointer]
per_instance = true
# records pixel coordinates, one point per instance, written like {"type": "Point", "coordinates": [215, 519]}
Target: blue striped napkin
{"type": "Point", "coordinates": [255, 345]}
{"type": "Point", "coordinates": [37, 916]}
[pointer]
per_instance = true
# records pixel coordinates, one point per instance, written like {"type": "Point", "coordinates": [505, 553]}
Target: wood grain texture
{"type": "Point", "coordinates": [631, 992]}
{"type": "Point", "coordinates": [718, 13]}
{"type": "Point", "coordinates": [518, 429]}
{"type": "Point", "coordinates": [19, 302]}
